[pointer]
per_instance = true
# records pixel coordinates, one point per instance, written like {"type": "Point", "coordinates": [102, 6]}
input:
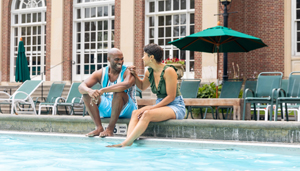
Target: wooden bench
{"type": "Point", "coordinates": [236, 103]}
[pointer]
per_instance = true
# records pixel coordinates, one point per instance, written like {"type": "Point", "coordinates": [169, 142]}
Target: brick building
{"type": "Point", "coordinates": [68, 39]}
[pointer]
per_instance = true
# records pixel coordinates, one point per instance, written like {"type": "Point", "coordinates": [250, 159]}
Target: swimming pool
{"type": "Point", "coordinates": [23, 151]}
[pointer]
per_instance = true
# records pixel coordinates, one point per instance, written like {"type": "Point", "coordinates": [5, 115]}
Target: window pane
{"type": "Point", "coordinates": [175, 53]}
{"type": "Point", "coordinates": [298, 14]}
{"type": "Point", "coordinates": [105, 25]}
{"type": "Point", "coordinates": [93, 12]}
{"type": "Point", "coordinates": [298, 25]}
{"type": "Point", "coordinates": [105, 35]}
{"type": "Point", "coordinates": [176, 32]}
{"type": "Point", "coordinates": [298, 3]}
{"type": "Point", "coordinates": [151, 21]}
{"type": "Point", "coordinates": [87, 26]}
{"type": "Point", "coordinates": [298, 45]}
{"type": "Point", "coordinates": [176, 5]}
{"type": "Point", "coordinates": [87, 13]}
{"type": "Point", "coordinates": [78, 27]}
{"type": "Point", "coordinates": [78, 13]}
{"type": "Point", "coordinates": [160, 32]}
{"type": "Point", "coordinates": [28, 30]}
{"type": "Point", "coordinates": [99, 11]}
{"type": "Point", "coordinates": [112, 35]}
{"type": "Point", "coordinates": [160, 5]}
{"type": "Point", "coordinates": [23, 31]}
{"type": "Point", "coordinates": [168, 5]}
{"type": "Point", "coordinates": [105, 11]}
{"type": "Point", "coordinates": [23, 18]}
{"type": "Point", "coordinates": [192, 54]}
{"type": "Point", "coordinates": [86, 69]}
{"type": "Point", "coordinates": [112, 24]}
{"type": "Point", "coordinates": [99, 58]}
{"type": "Point", "coordinates": [39, 17]}
{"type": "Point", "coordinates": [151, 33]}
{"type": "Point", "coordinates": [34, 17]}
{"type": "Point", "coordinates": [168, 31]}
{"type": "Point", "coordinates": [192, 5]}
{"type": "Point", "coordinates": [298, 36]}
{"type": "Point", "coordinates": [182, 19]}
{"type": "Point", "coordinates": [93, 26]}
{"type": "Point", "coordinates": [87, 37]}
{"type": "Point", "coordinates": [182, 31]}
{"type": "Point", "coordinates": [175, 19]}
{"type": "Point", "coordinates": [160, 41]}
{"type": "Point", "coordinates": [99, 36]}
{"type": "Point", "coordinates": [168, 20]}
{"type": "Point", "coordinates": [17, 4]}
{"type": "Point", "coordinates": [192, 30]}
{"type": "Point", "coordinates": [161, 20]}
{"type": "Point", "coordinates": [79, 38]}
{"type": "Point", "coordinates": [93, 36]}
{"type": "Point", "coordinates": [192, 66]}
{"type": "Point", "coordinates": [78, 69]}
{"type": "Point", "coordinates": [100, 25]}
{"type": "Point", "coordinates": [151, 7]}
{"type": "Point", "coordinates": [16, 19]}
{"type": "Point", "coordinates": [16, 32]}
{"type": "Point", "coordinates": [183, 4]}
{"type": "Point", "coordinates": [78, 59]}
{"type": "Point", "coordinates": [182, 54]}
{"type": "Point", "coordinates": [192, 18]}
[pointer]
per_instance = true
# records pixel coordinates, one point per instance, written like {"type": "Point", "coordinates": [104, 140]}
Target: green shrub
{"type": "Point", "coordinates": [208, 91]}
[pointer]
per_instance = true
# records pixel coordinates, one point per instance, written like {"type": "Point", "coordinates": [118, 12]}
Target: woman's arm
{"type": "Point", "coordinates": [170, 77]}
{"type": "Point", "coordinates": [141, 84]}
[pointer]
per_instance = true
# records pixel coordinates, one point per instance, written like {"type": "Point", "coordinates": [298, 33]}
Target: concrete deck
{"type": "Point", "coordinates": [250, 131]}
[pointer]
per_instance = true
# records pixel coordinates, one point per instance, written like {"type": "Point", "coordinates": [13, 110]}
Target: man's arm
{"type": "Point", "coordinates": [85, 87]}
{"type": "Point", "coordinates": [129, 81]}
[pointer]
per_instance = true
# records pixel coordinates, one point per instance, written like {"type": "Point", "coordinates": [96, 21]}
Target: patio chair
{"type": "Point", "coordinates": [22, 95]}
{"type": "Point", "coordinates": [230, 89]}
{"type": "Point", "coordinates": [73, 100]}
{"type": "Point", "coordinates": [55, 91]}
{"type": "Point", "coordinates": [290, 95]}
{"type": "Point", "coordinates": [267, 84]}
{"type": "Point", "coordinates": [189, 89]}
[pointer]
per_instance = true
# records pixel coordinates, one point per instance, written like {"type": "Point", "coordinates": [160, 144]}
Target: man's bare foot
{"type": "Point", "coordinates": [107, 133]}
{"type": "Point", "coordinates": [94, 133]}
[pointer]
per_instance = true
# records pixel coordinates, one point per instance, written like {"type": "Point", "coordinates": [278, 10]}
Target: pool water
{"type": "Point", "coordinates": [19, 152]}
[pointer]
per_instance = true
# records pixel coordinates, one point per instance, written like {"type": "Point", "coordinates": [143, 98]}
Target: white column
{"type": "Point", "coordinates": [209, 61]}
{"type": "Point", "coordinates": [127, 31]}
{"type": "Point", "coordinates": [288, 67]}
{"type": "Point", "coordinates": [56, 40]}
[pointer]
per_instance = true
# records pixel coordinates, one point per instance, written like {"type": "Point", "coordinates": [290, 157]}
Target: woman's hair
{"type": "Point", "coordinates": [155, 50]}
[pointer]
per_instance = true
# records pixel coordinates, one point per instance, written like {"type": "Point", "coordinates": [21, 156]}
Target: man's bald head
{"type": "Point", "coordinates": [114, 51]}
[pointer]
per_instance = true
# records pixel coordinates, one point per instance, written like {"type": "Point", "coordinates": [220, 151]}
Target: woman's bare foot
{"type": "Point", "coordinates": [106, 133]}
{"type": "Point", "coordinates": [94, 133]}
{"type": "Point", "coordinates": [117, 145]}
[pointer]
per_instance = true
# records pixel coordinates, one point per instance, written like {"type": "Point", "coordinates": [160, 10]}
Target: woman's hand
{"type": "Point", "coordinates": [142, 110]}
{"type": "Point", "coordinates": [132, 70]}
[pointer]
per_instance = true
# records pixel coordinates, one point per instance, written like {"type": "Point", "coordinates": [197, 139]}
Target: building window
{"type": "Point", "coordinates": [28, 20]}
{"type": "Point", "coordinates": [296, 22]}
{"type": "Point", "coordinates": [93, 34]}
{"type": "Point", "coordinates": [168, 20]}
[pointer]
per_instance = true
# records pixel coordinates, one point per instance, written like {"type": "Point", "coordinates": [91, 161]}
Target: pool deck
{"type": "Point", "coordinates": [231, 130]}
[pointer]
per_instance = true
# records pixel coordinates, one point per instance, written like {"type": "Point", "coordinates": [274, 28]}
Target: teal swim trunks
{"type": "Point", "coordinates": [105, 108]}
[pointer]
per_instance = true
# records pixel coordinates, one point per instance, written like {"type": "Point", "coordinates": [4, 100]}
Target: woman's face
{"type": "Point", "coordinates": [146, 59]}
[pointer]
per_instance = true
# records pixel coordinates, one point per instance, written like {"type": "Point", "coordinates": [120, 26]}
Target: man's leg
{"type": "Point", "coordinates": [94, 113]}
{"type": "Point", "coordinates": [119, 100]}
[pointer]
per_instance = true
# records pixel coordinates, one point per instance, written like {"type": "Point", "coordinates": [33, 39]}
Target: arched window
{"type": "Point", "coordinates": [168, 20]}
{"type": "Point", "coordinates": [28, 20]}
{"type": "Point", "coordinates": [93, 35]}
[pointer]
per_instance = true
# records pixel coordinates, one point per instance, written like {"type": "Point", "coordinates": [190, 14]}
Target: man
{"type": "Point", "coordinates": [113, 99]}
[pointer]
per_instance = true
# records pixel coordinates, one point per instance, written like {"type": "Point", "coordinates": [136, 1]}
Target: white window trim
{"type": "Point", "coordinates": [81, 20]}
{"type": "Point", "coordinates": [43, 22]}
{"type": "Point", "coordinates": [188, 74]}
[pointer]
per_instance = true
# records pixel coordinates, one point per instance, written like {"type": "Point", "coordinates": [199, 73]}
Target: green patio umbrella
{"type": "Point", "coordinates": [22, 70]}
{"type": "Point", "coordinates": [219, 39]}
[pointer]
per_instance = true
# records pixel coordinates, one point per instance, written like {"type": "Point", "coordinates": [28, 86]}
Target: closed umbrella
{"type": "Point", "coordinates": [219, 39]}
{"type": "Point", "coordinates": [22, 70]}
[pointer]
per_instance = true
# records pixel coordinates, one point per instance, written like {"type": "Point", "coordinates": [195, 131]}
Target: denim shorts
{"type": "Point", "coordinates": [177, 105]}
{"type": "Point", "coordinates": [105, 108]}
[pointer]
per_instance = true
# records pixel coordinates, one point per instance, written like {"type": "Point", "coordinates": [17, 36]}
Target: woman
{"type": "Point", "coordinates": [163, 81]}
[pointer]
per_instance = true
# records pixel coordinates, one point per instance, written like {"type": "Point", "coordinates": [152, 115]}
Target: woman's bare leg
{"type": "Point", "coordinates": [154, 115]}
{"type": "Point", "coordinates": [134, 119]}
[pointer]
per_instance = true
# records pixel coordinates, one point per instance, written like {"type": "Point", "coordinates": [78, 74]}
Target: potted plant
{"type": "Point", "coordinates": [178, 64]}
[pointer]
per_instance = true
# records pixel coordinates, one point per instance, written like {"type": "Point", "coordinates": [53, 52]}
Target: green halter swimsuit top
{"type": "Point", "coordinates": [161, 91]}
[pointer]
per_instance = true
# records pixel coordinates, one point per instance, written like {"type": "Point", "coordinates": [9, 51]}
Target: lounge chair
{"type": "Point", "coordinates": [291, 95]}
{"type": "Point", "coordinates": [22, 96]}
{"type": "Point", "coordinates": [55, 91]}
{"type": "Point", "coordinates": [230, 89]}
{"type": "Point", "coordinates": [267, 84]}
{"type": "Point", "coordinates": [189, 89]}
{"type": "Point", "coordinates": [73, 100]}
